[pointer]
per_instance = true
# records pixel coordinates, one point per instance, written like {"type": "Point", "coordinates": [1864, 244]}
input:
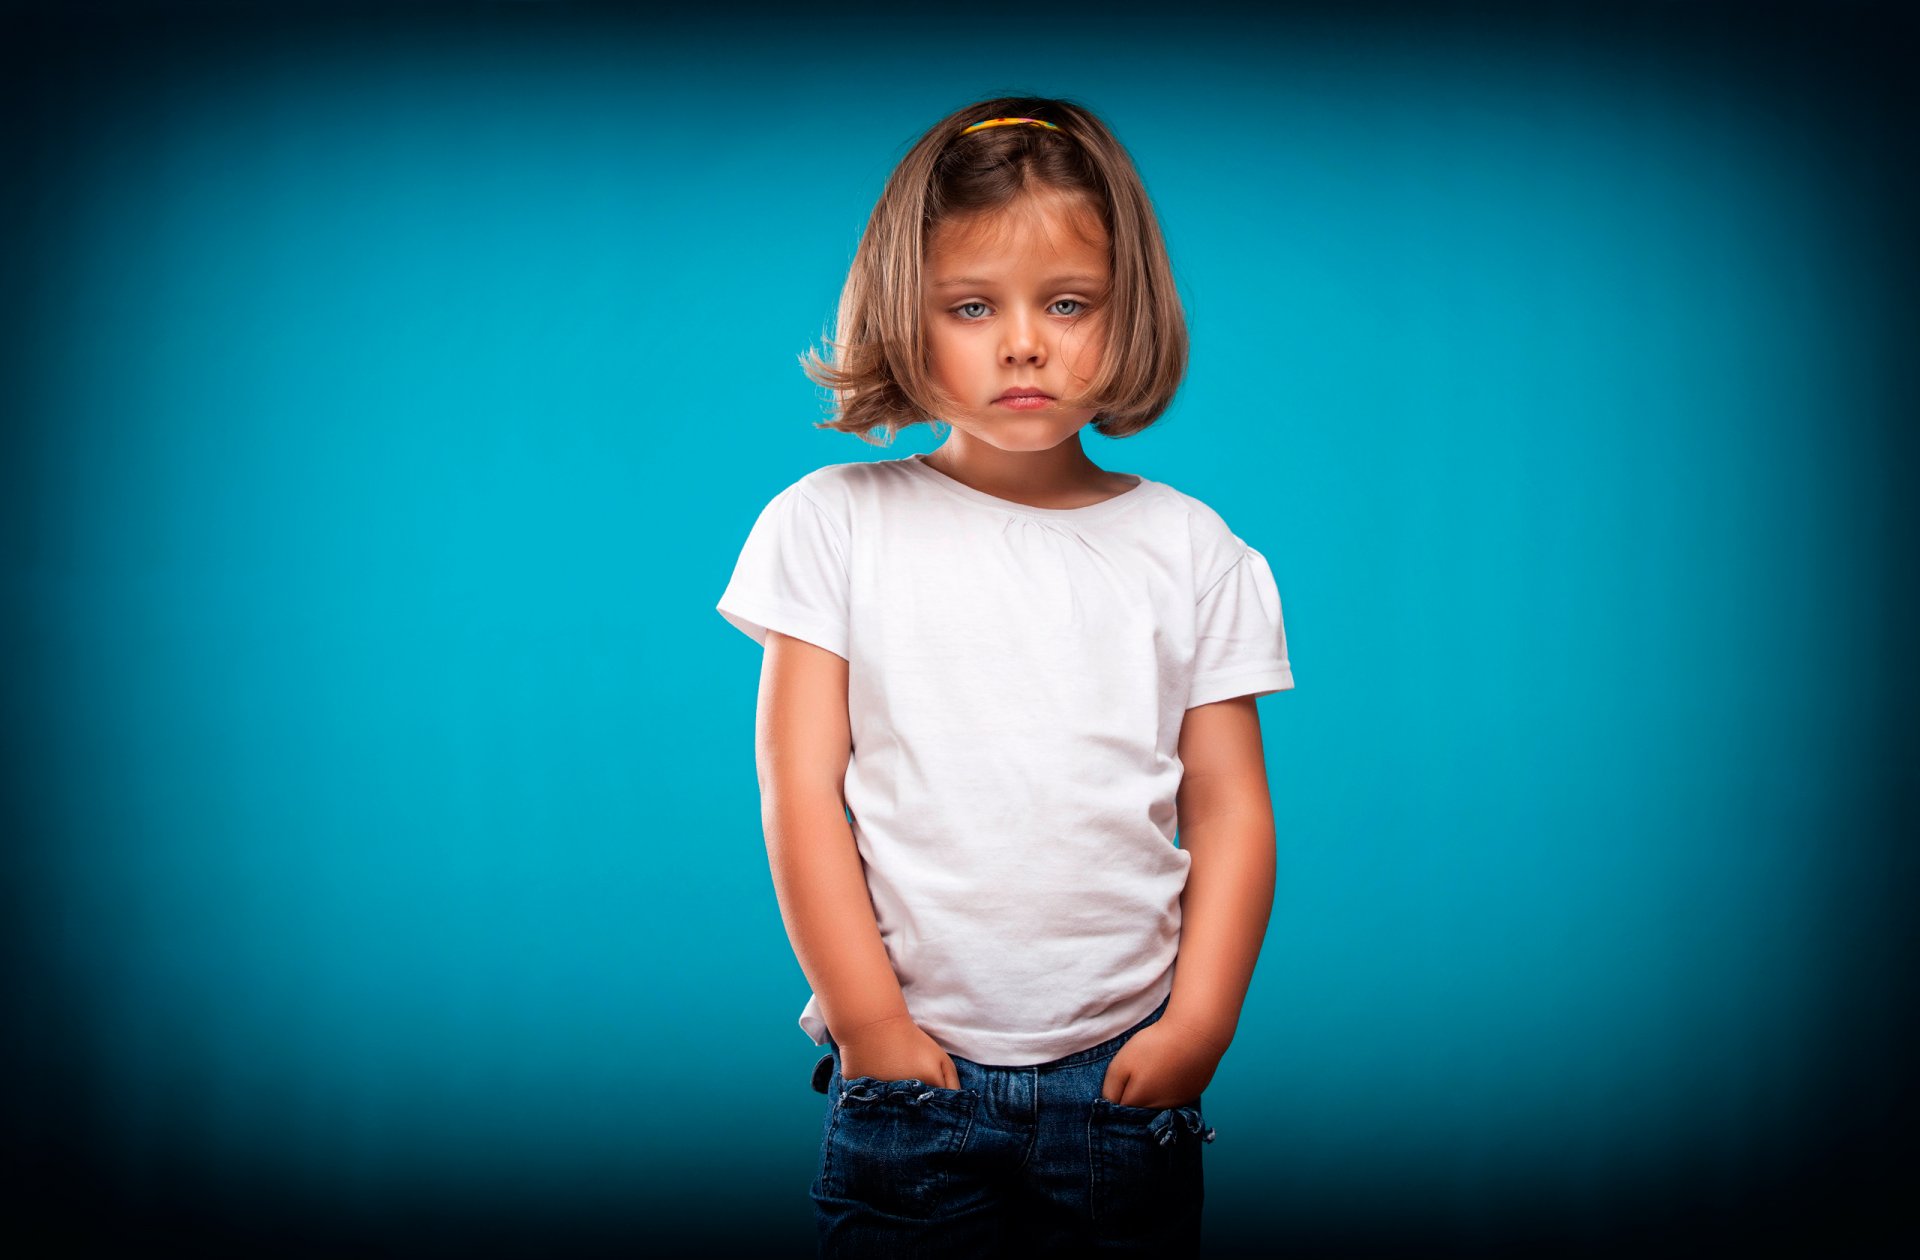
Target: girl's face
{"type": "Point", "coordinates": [1013, 307]}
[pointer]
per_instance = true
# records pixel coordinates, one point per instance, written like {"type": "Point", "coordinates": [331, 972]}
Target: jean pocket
{"type": "Point", "coordinates": [1147, 1179]}
{"type": "Point", "coordinates": [893, 1145]}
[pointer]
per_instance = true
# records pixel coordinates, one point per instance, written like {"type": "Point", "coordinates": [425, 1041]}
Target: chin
{"type": "Point", "coordinates": [1024, 442]}
{"type": "Point", "coordinates": [1049, 426]}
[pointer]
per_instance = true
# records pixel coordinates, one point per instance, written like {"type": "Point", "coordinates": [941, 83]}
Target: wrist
{"type": "Point", "coordinates": [1212, 1026]}
{"type": "Point", "coordinates": [869, 1024]}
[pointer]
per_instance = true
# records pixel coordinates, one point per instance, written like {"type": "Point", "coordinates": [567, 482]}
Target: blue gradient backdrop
{"type": "Point", "coordinates": [389, 395]}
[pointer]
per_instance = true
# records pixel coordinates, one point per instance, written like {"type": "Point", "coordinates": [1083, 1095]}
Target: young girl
{"type": "Point", "coordinates": [997, 678]}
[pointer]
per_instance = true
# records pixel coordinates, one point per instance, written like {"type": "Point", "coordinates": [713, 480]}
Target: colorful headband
{"type": "Point", "coordinates": [1002, 122]}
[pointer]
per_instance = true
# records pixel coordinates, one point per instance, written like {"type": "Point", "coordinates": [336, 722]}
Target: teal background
{"type": "Point", "coordinates": [389, 398]}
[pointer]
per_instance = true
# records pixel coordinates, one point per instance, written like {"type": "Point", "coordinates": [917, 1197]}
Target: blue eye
{"type": "Point", "coordinates": [1072, 302]}
{"type": "Point", "coordinates": [960, 310]}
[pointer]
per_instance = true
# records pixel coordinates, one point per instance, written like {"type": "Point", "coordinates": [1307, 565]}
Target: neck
{"type": "Point", "coordinates": [1016, 474]}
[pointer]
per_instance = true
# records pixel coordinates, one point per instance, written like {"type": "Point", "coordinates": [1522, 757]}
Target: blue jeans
{"type": "Point", "coordinates": [1026, 1161]}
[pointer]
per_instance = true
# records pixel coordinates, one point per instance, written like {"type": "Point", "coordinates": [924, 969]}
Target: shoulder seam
{"type": "Point", "coordinates": [840, 541]}
{"type": "Point", "coordinates": [1238, 560]}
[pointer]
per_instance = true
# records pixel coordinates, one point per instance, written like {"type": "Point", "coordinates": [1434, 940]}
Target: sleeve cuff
{"type": "Point", "coordinates": [755, 619]}
{"type": "Point", "coordinates": [1260, 681]}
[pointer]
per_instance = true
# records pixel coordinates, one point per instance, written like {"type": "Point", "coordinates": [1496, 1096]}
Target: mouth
{"type": "Point", "coordinates": [1025, 399]}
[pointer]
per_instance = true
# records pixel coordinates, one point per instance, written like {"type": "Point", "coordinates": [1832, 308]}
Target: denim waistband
{"type": "Point", "coordinates": [1110, 1046]}
{"type": "Point", "coordinates": [1107, 1047]}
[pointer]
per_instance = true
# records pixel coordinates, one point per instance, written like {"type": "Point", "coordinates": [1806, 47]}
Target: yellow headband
{"type": "Point", "coordinates": [1002, 122]}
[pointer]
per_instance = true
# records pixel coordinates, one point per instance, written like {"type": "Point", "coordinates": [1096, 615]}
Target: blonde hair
{"type": "Point", "coordinates": [879, 368]}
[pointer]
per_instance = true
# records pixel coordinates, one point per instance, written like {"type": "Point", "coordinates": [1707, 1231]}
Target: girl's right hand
{"type": "Point", "coordinates": [896, 1049]}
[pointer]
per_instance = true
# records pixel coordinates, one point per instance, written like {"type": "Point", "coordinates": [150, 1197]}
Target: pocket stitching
{"type": "Point", "coordinates": [958, 1132]}
{"type": "Point", "coordinates": [1123, 1108]}
{"type": "Point", "coordinates": [873, 1089]}
{"type": "Point", "coordinates": [1113, 1126]}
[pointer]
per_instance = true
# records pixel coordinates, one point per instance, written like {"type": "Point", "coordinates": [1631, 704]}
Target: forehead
{"type": "Point", "coordinates": [1030, 230]}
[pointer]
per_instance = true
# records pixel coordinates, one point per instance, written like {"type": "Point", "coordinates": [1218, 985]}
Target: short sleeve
{"type": "Point", "coordinates": [791, 575]}
{"type": "Point", "coordinates": [1240, 644]}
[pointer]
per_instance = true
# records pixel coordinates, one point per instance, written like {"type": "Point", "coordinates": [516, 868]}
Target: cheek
{"type": "Point", "coordinates": [943, 357]}
{"type": "Point", "coordinates": [1083, 347]}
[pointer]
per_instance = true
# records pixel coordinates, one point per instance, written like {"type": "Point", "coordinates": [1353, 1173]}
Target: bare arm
{"type": "Point", "coordinates": [1226, 825]}
{"type": "Point", "coordinates": [802, 745]}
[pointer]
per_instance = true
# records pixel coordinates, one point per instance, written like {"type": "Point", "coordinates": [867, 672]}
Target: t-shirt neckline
{"type": "Point", "coordinates": [1126, 498]}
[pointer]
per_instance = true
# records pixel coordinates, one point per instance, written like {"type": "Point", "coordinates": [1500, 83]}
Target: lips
{"type": "Point", "coordinates": [1023, 393]}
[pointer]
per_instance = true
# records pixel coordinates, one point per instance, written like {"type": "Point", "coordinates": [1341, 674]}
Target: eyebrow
{"type": "Point", "coordinates": [1051, 282]}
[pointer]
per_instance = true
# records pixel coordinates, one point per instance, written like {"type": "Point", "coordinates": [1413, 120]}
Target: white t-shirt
{"type": "Point", "coordinates": [1016, 681]}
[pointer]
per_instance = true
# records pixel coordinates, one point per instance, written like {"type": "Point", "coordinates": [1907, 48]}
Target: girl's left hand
{"type": "Point", "coordinates": [1162, 1065]}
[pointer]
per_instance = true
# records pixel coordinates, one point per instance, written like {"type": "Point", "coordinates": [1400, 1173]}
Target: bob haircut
{"type": "Point", "coordinates": [880, 375]}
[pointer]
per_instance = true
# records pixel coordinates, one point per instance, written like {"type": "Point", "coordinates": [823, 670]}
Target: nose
{"type": "Point", "coordinates": [1023, 342]}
